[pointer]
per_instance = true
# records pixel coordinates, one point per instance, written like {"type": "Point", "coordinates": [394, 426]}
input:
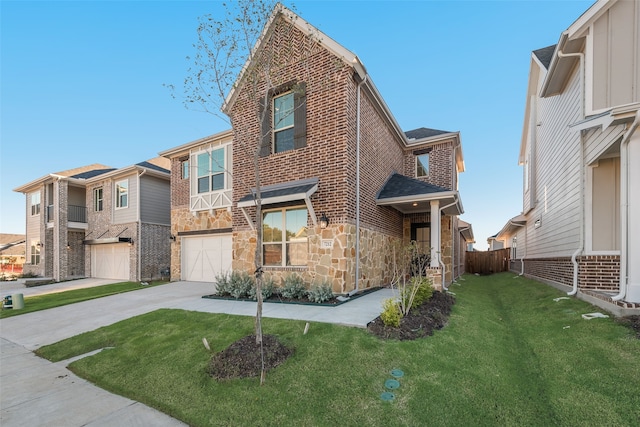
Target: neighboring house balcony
{"type": "Point", "coordinates": [76, 217]}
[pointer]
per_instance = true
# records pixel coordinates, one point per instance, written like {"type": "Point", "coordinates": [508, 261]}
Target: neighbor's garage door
{"type": "Point", "coordinates": [110, 261]}
{"type": "Point", "coordinates": [205, 257]}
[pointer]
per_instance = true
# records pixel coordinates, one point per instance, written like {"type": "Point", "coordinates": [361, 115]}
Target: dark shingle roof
{"type": "Point", "coordinates": [152, 166]}
{"type": "Point", "coordinates": [280, 192]}
{"type": "Point", "coordinates": [545, 55]}
{"type": "Point", "coordinates": [91, 173]}
{"type": "Point", "coordinates": [424, 133]}
{"type": "Point", "coordinates": [399, 186]}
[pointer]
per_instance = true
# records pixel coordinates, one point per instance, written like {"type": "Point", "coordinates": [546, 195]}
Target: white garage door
{"type": "Point", "coordinates": [110, 261]}
{"type": "Point", "coordinates": [205, 257]}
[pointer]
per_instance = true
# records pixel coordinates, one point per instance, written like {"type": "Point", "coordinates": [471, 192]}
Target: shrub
{"type": "Point", "coordinates": [294, 287]}
{"type": "Point", "coordinates": [223, 284]}
{"type": "Point", "coordinates": [240, 285]}
{"type": "Point", "coordinates": [28, 275]}
{"type": "Point", "coordinates": [391, 313]}
{"type": "Point", "coordinates": [320, 293]}
{"type": "Point", "coordinates": [268, 287]}
{"type": "Point", "coordinates": [420, 288]}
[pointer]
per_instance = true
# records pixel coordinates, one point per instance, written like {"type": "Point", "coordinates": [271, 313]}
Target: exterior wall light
{"type": "Point", "coordinates": [40, 244]}
{"type": "Point", "coordinates": [68, 246]}
{"type": "Point", "coordinates": [324, 221]}
{"type": "Point", "coordinates": [172, 237]}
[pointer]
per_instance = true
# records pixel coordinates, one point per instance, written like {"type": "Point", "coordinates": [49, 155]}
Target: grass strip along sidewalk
{"type": "Point", "coordinates": [510, 355]}
{"type": "Point", "coordinates": [43, 302]}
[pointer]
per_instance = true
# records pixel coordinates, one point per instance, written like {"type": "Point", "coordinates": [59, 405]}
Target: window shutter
{"type": "Point", "coordinates": [300, 116]}
{"type": "Point", "coordinates": [265, 129]}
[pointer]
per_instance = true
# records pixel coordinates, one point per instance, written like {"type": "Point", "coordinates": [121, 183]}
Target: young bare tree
{"type": "Point", "coordinates": [233, 54]}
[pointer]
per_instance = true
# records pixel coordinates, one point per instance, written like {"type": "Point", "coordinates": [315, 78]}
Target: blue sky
{"type": "Point", "coordinates": [82, 82]}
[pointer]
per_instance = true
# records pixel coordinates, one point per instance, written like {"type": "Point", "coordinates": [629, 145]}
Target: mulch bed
{"type": "Point", "coordinates": [421, 321]}
{"type": "Point", "coordinates": [277, 298]}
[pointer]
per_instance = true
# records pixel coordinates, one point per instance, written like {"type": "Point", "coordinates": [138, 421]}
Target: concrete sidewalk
{"type": "Point", "coordinates": [36, 392]}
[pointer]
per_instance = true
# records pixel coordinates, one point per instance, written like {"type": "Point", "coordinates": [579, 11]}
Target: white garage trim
{"type": "Point", "coordinates": [205, 257]}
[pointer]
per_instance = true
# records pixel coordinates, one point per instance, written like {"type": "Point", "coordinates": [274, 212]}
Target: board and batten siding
{"type": "Point", "coordinates": [130, 213]}
{"type": "Point", "coordinates": [155, 200]}
{"type": "Point", "coordinates": [557, 176]}
{"type": "Point", "coordinates": [616, 56]}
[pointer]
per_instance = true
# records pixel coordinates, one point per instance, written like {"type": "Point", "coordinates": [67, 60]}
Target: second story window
{"type": "Point", "coordinates": [283, 123]}
{"type": "Point", "coordinates": [122, 194]}
{"type": "Point", "coordinates": [185, 169]}
{"type": "Point", "coordinates": [422, 165]}
{"type": "Point", "coordinates": [211, 170]}
{"type": "Point", "coordinates": [35, 203]}
{"type": "Point", "coordinates": [97, 199]}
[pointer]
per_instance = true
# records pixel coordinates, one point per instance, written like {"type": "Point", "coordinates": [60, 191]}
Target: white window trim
{"type": "Point", "coordinates": [217, 199]}
{"type": "Point", "coordinates": [273, 117]}
{"type": "Point", "coordinates": [283, 243]}
{"type": "Point", "coordinates": [418, 164]}
{"type": "Point", "coordinates": [34, 205]}
{"type": "Point", "coordinates": [95, 199]}
{"type": "Point", "coordinates": [117, 194]}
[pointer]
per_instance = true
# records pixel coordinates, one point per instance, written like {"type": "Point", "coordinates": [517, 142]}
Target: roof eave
{"type": "Point", "coordinates": [184, 148]}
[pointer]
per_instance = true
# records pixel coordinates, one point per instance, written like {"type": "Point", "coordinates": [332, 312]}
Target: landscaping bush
{"type": "Point", "coordinates": [241, 284]}
{"type": "Point", "coordinates": [391, 313]}
{"type": "Point", "coordinates": [293, 287]}
{"type": "Point", "coordinates": [320, 293]}
{"type": "Point", "coordinates": [223, 284]}
{"type": "Point", "coordinates": [268, 288]}
{"type": "Point", "coordinates": [421, 289]}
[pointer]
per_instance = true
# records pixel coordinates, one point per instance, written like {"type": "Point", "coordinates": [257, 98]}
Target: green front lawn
{"type": "Point", "coordinates": [509, 356]}
{"type": "Point", "coordinates": [43, 302]}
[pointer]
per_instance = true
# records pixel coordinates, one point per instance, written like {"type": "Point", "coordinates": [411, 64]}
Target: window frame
{"type": "Point", "coordinates": [290, 116]}
{"type": "Point", "coordinates": [284, 241]}
{"type": "Point", "coordinates": [98, 199]}
{"type": "Point", "coordinates": [34, 253]}
{"type": "Point", "coordinates": [35, 207]}
{"type": "Point", "coordinates": [184, 169]}
{"type": "Point", "coordinates": [420, 165]}
{"type": "Point", "coordinates": [119, 195]}
{"type": "Point", "coordinates": [210, 175]}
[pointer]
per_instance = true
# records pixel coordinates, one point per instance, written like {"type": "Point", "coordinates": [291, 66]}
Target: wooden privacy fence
{"type": "Point", "coordinates": [487, 262]}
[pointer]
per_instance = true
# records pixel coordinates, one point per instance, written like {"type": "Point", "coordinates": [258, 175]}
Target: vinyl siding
{"type": "Point", "coordinates": [557, 176]}
{"type": "Point", "coordinates": [597, 142]}
{"type": "Point", "coordinates": [130, 213]}
{"type": "Point", "coordinates": [155, 200]}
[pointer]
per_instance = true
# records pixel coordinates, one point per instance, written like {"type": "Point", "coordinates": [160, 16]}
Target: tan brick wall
{"type": "Point", "coordinates": [441, 163]}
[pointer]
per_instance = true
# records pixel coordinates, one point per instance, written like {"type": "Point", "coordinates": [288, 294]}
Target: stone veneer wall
{"type": "Point", "coordinates": [184, 221]}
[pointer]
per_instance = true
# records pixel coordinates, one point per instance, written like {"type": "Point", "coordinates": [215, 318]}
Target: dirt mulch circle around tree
{"type": "Point", "coordinates": [242, 359]}
{"type": "Point", "coordinates": [421, 321]}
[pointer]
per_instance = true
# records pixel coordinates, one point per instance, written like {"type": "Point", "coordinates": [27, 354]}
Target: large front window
{"type": "Point", "coordinates": [35, 203]}
{"type": "Point", "coordinates": [211, 171]}
{"type": "Point", "coordinates": [122, 194]}
{"type": "Point", "coordinates": [283, 122]}
{"type": "Point", "coordinates": [284, 237]}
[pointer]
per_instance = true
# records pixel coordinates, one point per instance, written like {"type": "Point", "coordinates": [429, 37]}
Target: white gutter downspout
{"type": "Point", "coordinates": [624, 207]}
{"type": "Point", "coordinates": [442, 266]}
{"type": "Point", "coordinates": [574, 290]}
{"type": "Point", "coordinates": [358, 108]}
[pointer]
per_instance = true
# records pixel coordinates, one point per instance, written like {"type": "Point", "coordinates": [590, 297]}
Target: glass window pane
{"type": "Point", "coordinates": [217, 160]}
{"type": "Point", "coordinates": [185, 169]}
{"type": "Point", "coordinates": [272, 254]}
{"type": "Point", "coordinates": [422, 168]}
{"type": "Point", "coordinates": [217, 182]}
{"type": "Point", "coordinates": [272, 227]}
{"type": "Point", "coordinates": [203, 184]}
{"type": "Point", "coordinates": [203, 164]}
{"type": "Point", "coordinates": [297, 253]}
{"type": "Point", "coordinates": [283, 140]}
{"type": "Point", "coordinates": [296, 220]}
{"type": "Point", "coordinates": [283, 111]}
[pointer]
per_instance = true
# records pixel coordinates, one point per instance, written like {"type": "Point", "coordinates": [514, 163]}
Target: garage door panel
{"type": "Point", "coordinates": [206, 257]}
{"type": "Point", "coordinates": [110, 261]}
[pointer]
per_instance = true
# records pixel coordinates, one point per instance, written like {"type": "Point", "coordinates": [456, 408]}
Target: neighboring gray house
{"type": "Point", "coordinates": [580, 151]}
{"type": "Point", "coordinates": [97, 221]}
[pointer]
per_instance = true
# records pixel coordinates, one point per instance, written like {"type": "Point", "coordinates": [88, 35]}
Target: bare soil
{"type": "Point", "coordinates": [633, 322]}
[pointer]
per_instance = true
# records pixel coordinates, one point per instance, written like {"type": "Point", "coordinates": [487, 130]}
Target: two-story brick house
{"type": "Point", "coordinates": [98, 221]}
{"type": "Point", "coordinates": [341, 183]}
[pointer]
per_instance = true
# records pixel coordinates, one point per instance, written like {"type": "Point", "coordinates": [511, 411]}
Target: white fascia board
{"type": "Point", "coordinates": [418, 198]}
{"type": "Point", "coordinates": [588, 17]}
